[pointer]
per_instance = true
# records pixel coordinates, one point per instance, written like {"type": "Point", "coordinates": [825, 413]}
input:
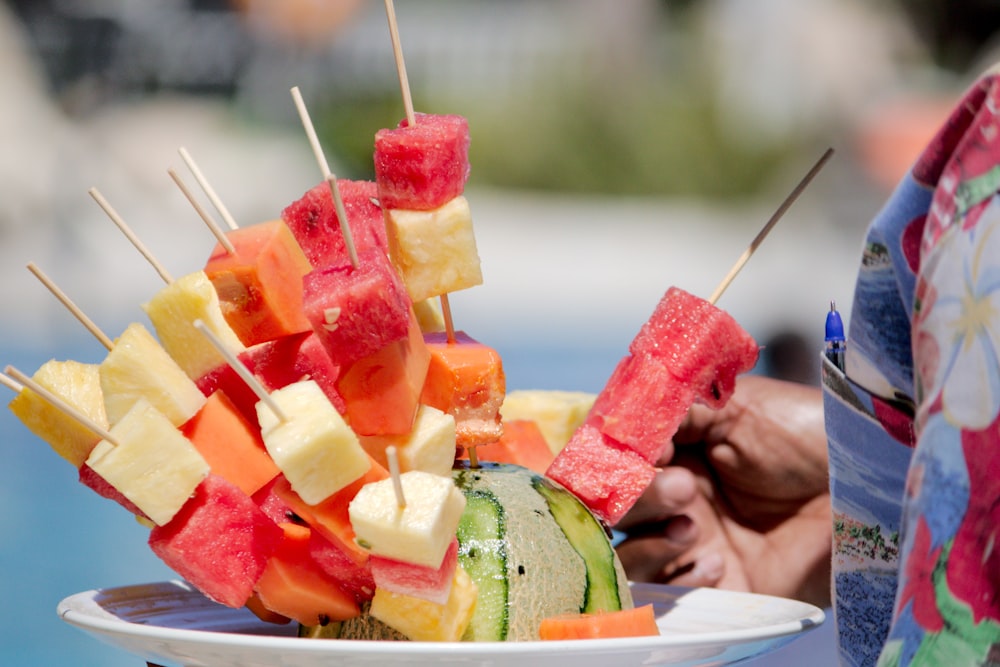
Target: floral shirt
{"type": "Point", "coordinates": [914, 422]}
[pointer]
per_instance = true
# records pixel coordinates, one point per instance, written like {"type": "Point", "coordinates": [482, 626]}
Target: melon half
{"type": "Point", "coordinates": [532, 549]}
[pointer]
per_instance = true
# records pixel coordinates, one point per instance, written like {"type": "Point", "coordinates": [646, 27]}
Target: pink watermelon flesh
{"type": "Point", "coordinates": [424, 166]}
{"type": "Point", "coordinates": [641, 406]}
{"type": "Point", "coordinates": [223, 378]}
{"type": "Point", "coordinates": [605, 475]}
{"type": "Point", "coordinates": [103, 488]}
{"type": "Point", "coordinates": [354, 579]}
{"type": "Point", "coordinates": [281, 362]}
{"type": "Point", "coordinates": [315, 225]}
{"type": "Point", "coordinates": [219, 541]}
{"type": "Point", "coordinates": [372, 302]}
{"type": "Point", "coordinates": [699, 344]}
{"type": "Point", "coordinates": [420, 581]}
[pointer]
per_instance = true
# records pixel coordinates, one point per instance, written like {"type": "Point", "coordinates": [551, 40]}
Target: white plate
{"type": "Point", "coordinates": [172, 623]}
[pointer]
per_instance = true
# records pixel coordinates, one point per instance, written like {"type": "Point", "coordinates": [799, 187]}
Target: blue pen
{"type": "Point", "coordinates": [836, 343]}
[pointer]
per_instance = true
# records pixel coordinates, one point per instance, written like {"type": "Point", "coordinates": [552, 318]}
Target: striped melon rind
{"type": "Point", "coordinates": [532, 548]}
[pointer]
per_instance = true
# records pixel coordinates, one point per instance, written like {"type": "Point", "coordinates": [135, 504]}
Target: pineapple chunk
{"type": "Point", "coordinates": [316, 450]}
{"type": "Point", "coordinates": [79, 385]}
{"type": "Point", "coordinates": [152, 463]}
{"type": "Point", "coordinates": [418, 533]}
{"type": "Point", "coordinates": [557, 413]}
{"type": "Point", "coordinates": [430, 317]}
{"type": "Point", "coordinates": [430, 446]}
{"type": "Point", "coordinates": [426, 621]}
{"type": "Point", "coordinates": [434, 251]}
{"type": "Point", "coordinates": [138, 366]}
{"type": "Point", "coordinates": [173, 311]}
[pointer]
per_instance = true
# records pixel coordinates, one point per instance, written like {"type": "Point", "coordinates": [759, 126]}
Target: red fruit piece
{"type": "Point", "coordinates": [356, 311]}
{"type": "Point", "coordinates": [219, 541]}
{"type": "Point", "coordinates": [605, 475]}
{"type": "Point", "coordinates": [641, 406]}
{"type": "Point", "coordinates": [419, 581]}
{"type": "Point", "coordinates": [422, 167]}
{"type": "Point", "coordinates": [701, 345]}
{"type": "Point", "coordinates": [314, 223]}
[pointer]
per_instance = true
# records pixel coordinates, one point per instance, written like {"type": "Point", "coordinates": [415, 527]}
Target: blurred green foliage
{"type": "Point", "coordinates": [630, 141]}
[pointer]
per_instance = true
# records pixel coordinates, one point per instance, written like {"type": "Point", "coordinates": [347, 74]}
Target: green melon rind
{"type": "Point", "coordinates": [604, 573]}
{"type": "Point", "coordinates": [539, 553]}
{"type": "Point", "coordinates": [483, 555]}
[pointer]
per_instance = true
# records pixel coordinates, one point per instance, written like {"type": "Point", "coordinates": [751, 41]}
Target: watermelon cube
{"type": "Point", "coordinates": [314, 222]}
{"type": "Point", "coordinates": [423, 166]}
{"type": "Point", "coordinates": [641, 406]}
{"type": "Point", "coordinates": [220, 541]}
{"type": "Point", "coordinates": [419, 581]}
{"type": "Point", "coordinates": [700, 344]}
{"type": "Point", "coordinates": [260, 284]}
{"type": "Point", "coordinates": [605, 475]}
{"type": "Point", "coordinates": [279, 363]}
{"type": "Point", "coordinates": [103, 488]}
{"type": "Point", "coordinates": [356, 311]}
{"type": "Point", "coordinates": [465, 379]}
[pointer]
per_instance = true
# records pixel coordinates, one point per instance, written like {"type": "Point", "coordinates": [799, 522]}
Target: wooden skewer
{"type": "Point", "coordinates": [397, 51]}
{"type": "Point", "coordinates": [411, 120]}
{"type": "Point", "coordinates": [473, 457]}
{"type": "Point", "coordinates": [60, 404]}
{"type": "Point", "coordinates": [207, 187]}
{"type": "Point", "coordinates": [11, 383]}
{"type": "Point", "coordinates": [117, 219]}
{"type": "Point", "coordinates": [73, 308]}
{"type": "Point", "coordinates": [328, 176]}
{"type": "Point", "coordinates": [397, 483]}
{"type": "Point", "coordinates": [213, 226]}
{"type": "Point", "coordinates": [789, 200]}
{"type": "Point", "coordinates": [241, 370]}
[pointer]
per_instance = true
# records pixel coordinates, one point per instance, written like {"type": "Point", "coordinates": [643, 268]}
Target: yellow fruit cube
{"type": "Point", "coordinates": [430, 317]}
{"type": "Point", "coordinates": [418, 533]}
{"type": "Point", "coordinates": [425, 621]}
{"type": "Point", "coordinates": [430, 446]}
{"type": "Point", "coordinates": [557, 413]}
{"type": "Point", "coordinates": [313, 446]}
{"type": "Point", "coordinates": [173, 311]}
{"type": "Point", "coordinates": [138, 367]}
{"type": "Point", "coordinates": [434, 251]}
{"type": "Point", "coordinates": [79, 385]}
{"type": "Point", "coordinates": [151, 463]}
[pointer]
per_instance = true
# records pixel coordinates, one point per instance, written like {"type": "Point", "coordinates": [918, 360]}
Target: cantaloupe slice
{"type": "Point", "coordinates": [465, 379]}
{"type": "Point", "coordinates": [294, 585]}
{"type": "Point", "coordinates": [260, 284]}
{"type": "Point", "coordinates": [230, 444]}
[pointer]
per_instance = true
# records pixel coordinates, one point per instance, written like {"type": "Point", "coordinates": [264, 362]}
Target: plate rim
{"type": "Point", "coordinates": [72, 610]}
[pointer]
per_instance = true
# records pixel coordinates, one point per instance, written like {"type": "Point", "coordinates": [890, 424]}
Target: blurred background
{"type": "Point", "coordinates": [618, 148]}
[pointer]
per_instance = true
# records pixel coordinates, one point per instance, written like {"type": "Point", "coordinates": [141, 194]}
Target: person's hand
{"type": "Point", "coordinates": [744, 503]}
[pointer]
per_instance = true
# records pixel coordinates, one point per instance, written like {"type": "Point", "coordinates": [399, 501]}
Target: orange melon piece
{"type": "Point", "coordinates": [260, 285]}
{"type": "Point", "coordinates": [330, 518]}
{"type": "Point", "coordinates": [635, 622]}
{"type": "Point", "coordinates": [230, 444]}
{"type": "Point", "coordinates": [522, 443]}
{"type": "Point", "coordinates": [382, 391]}
{"type": "Point", "coordinates": [294, 585]}
{"type": "Point", "coordinates": [466, 380]}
